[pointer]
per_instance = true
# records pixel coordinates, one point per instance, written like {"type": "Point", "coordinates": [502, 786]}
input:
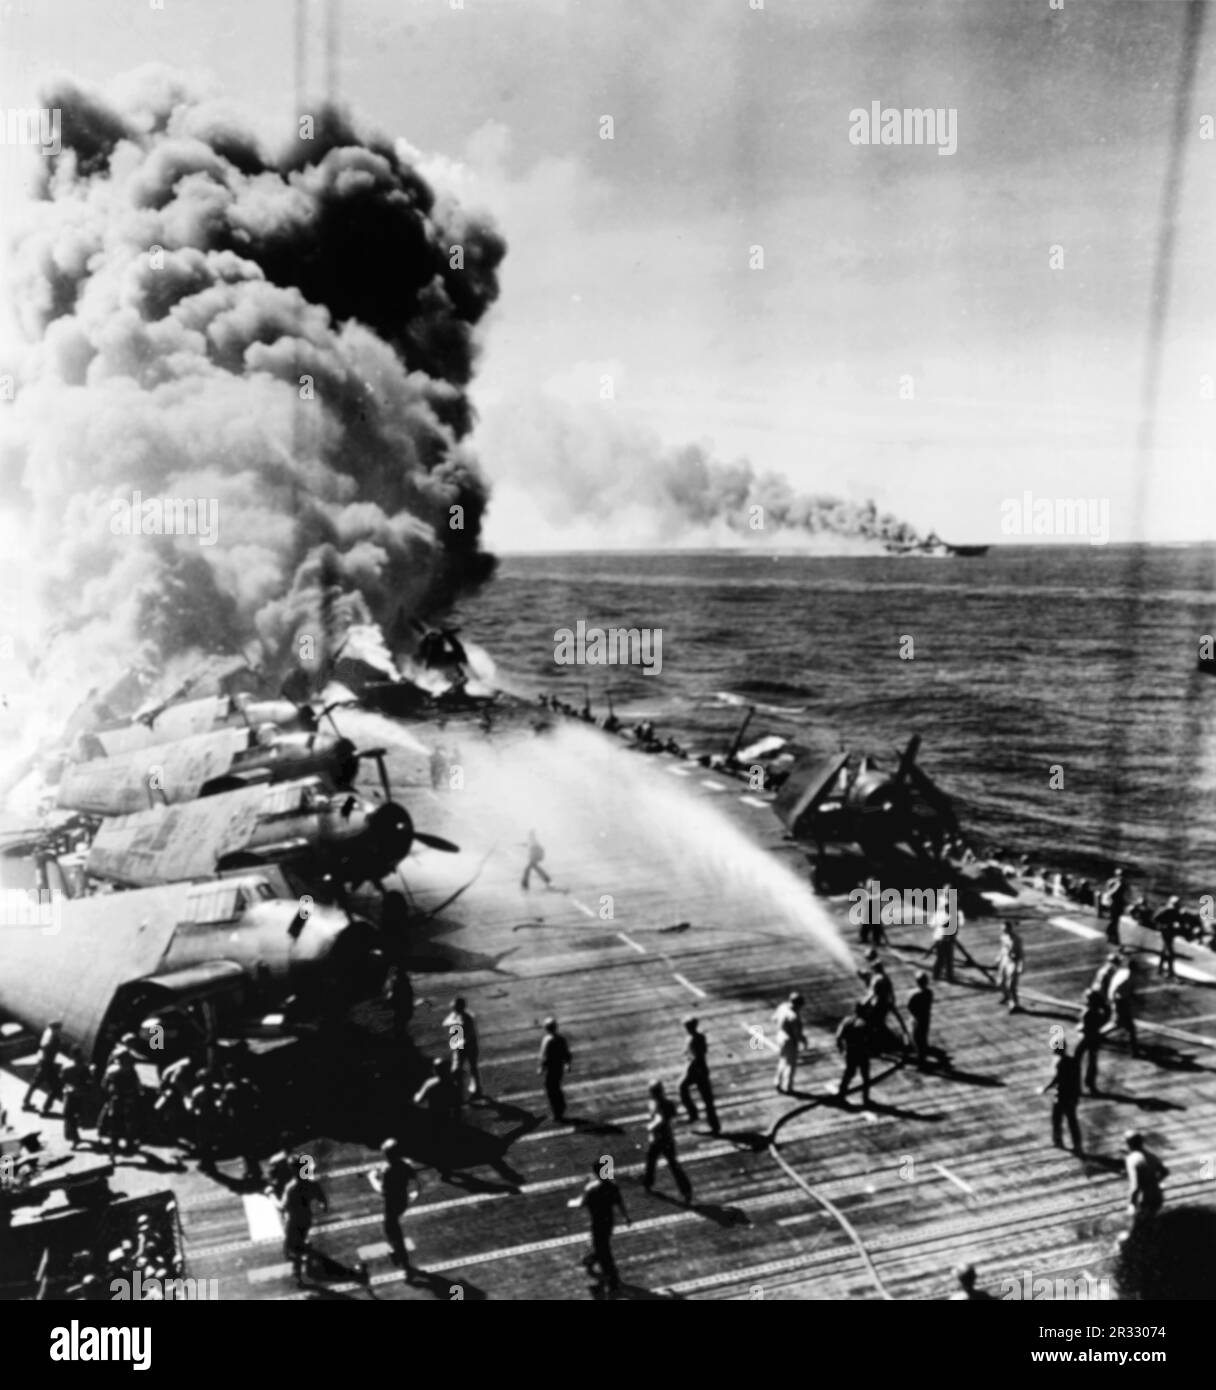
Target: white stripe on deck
{"type": "Point", "coordinates": [582, 907]}
{"type": "Point", "coordinates": [1077, 928]}
{"type": "Point", "coordinates": [688, 985]}
{"type": "Point", "coordinates": [757, 1032]}
{"type": "Point", "coordinates": [629, 941]}
{"type": "Point", "coordinates": [262, 1216]}
{"type": "Point", "coordinates": [678, 771]}
{"type": "Point", "coordinates": [754, 801]}
{"type": "Point", "coordinates": [712, 785]}
{"type": "Point", "coordinates": [957, 1181]}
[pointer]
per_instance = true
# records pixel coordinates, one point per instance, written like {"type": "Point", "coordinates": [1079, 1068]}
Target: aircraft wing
{"type": "Point", "coordinates": [173, 722]}
{"type": "Point", "coordinates": [809, 782]}
{"type": "Point", "coordinates": [73, 969]}
{"type": "Point", "coordinates": [169, 843]}
{"type": "Point", "coordinates": [120, 785]}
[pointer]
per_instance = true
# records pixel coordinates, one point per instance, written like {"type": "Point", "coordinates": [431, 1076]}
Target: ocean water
{"type": "Point", "coordinates": [1030, 664]}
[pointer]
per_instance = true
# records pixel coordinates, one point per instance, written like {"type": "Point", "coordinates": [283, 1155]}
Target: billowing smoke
{"type": "Point", "coordinates": [282, 338]}
{"type": "Point", "coordinates": [581, 476]}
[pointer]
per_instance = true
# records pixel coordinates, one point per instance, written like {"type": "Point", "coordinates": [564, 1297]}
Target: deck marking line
{"type": "Point", "coordinates": [688, 985]}
{"type": "Point", "coordinates": [957, 1181]}
{"type": "Point", "coordinates": [754, 801]}
{"type": "Point", "coordinates": [262, 1216]}
{"type": "Point", "coordinates": [712, 785]}
{"type": "Point", "coordinates": [1077, 928]}
{"type": "Point", "coordinates": [582, 907]}
{"type": "Point", "coordinates": [629, 941]}
{"type": "Point", "coordinates": [757, 1032]}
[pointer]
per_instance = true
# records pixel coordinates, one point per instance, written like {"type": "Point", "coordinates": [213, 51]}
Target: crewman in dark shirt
{"type": "Point", "coordinates": [880, 1004]}
{"type": "Point", "coordinates": [554, 1059]}
{"type": "Point", "coordinates": [602, 1199]}
{"type": "Point", "coordinates": [696, 1073]}
{"type": "Point", "coordinates": [1115, 894]}
{"type": "Point", "coordinates": [1066, 1082]}
{"type": "Point", "coordinates": [75, 1078]}
{"type": "Point", "coordinates": [1168, 921]}
{"type": "Point", "coordinates": [663, 1142]}
{"type": "Point", "coordinates": [46, 1074]}
{"type": "Point", "coordinates": [1093, 1017]}
{"type": "Point", "coordinates": [853, 1042]}
{"type": "Point", "coordinates": [920, 1009]}
{"type": "Point", "coordinates": [392, 1181]}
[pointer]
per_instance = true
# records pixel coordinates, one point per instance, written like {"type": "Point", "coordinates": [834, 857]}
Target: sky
{"type": "Point", "coordinates": [942, 332]}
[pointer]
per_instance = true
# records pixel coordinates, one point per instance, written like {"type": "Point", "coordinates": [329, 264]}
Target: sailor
{"type": "Point", "coordinates": [176, 1083]}
{"type": "Point", "coordinates": [440, 1101]}
{"type": "Point", "coordinates": [283, 1166]}
{"type": "Point", "coordinates": [75, 1078]}
{"type": "Point", "coordinates": [662, 1142]}
{"type": "Point", "coordinates": [1065, 1080]}
{"type": "Point", "coordinates": [853, 1043]}
{"type": "Point", "coordinates": [392, 1181]}
{"type": "Point", "coordinates": [1168, 921]}
{"type": "Point", "coordinates": [463, 1044]}
{"type": "Point", "coordinates": [696, 1073]}
{"type": "Point", "coordinates": [966, 1291]}
{"type": "Point", "coordinates": [123, 1093]}
{"type": "Point", "coordinates": [942, 946]}
{"type": "Point", "coordinates": [206, 1114]}
{"type": "Point", "coordinates": [535, 854]}
{"type": "Point", "coordinates": [920, 1009]}
{"type": "Point", "coordinates": [790, 1037]}
{"type": "Point", "coordinates": [1121, 993]}
{"type": "Point", "coordinates": [1101, 981]}
{"type": "Point", "coordinates": [602, 1199]}
{"type": "Point", "coordinates": [1145, 1173]}
{"type": "Point", "coordinates": [1114, 897]}
{"type": "Point", "coordinates": [439, 767]}
{"type": "Point", "coordinates": [1009, 965]}
{"type": "Point", "coordinates": [1093, 1018]}
{"type": "Point", "coordinates": [554, 1059]}
{"type": "Point", "coordinates": [295, 1208]}
{"type": "Point", "coordinates": [871, 928]}
{"type": "Point", "coordinates": [241, 1103]}
{"type": "Point", "coordinates": [879, 1003]}
{"type": "Point", "coordinates": [46, 1073]}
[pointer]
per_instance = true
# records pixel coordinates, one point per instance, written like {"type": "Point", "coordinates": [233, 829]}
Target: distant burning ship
{"type": "Point", "coordinates": [934, 547]}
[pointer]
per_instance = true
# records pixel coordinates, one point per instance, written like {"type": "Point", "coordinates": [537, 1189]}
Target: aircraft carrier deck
{"type": "Point", "coordinates": [953, 1164]}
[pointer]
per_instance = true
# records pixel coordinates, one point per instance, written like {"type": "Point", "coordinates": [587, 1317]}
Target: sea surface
{"type": "Point", "coordinates": [1026, 666]}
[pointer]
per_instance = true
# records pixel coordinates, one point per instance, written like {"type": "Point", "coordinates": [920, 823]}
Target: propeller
{"type": "Point", "coordinates": [431, 841]}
